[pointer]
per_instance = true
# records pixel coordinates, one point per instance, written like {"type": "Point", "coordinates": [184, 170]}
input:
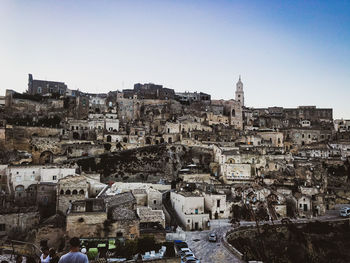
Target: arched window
{"type": "Point", "coordinates": [75, 192]}
{"type": "Point", "coordinates": [68, 192]}
{"type": "Point", "coordinates": [19, 188]}
{"type": "Point", "coordinates": [125, 139]}
{"type": "Point", "coordinates": [233, 113]}
{"type": "Point", "coordinates": [61, 192]}
{"type": "Point", "coordinates": [81, 192]}
{"type": "Point", "coordinates": [109, 138]}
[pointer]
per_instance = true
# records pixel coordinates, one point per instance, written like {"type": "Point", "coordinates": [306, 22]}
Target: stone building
{"type": "Point", "coordinates": [189, 207]}
{"type": "Point", "coordinates": [216, 205]}
{"type": "Point", "coordinates": [150, 91]}
{"type": "Point", "coordinates": [21, 177]}
{"type": "Point", "coordinates": [302, 136]}
{"type": "Point", "coordinates": [189, 97]}
{"type": "Point", "coordinates": [43, 87]}
{"type": "Point", "coordinates": [102, 218]}
{"type": "Point", "coordinates": [69, 189]}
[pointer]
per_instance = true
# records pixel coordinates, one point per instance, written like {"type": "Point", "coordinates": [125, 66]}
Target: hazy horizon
{"type": "Point", "coordinates": [288, 53]}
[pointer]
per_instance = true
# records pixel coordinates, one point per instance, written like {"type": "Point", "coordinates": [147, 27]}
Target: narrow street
{"type": "Point", "coordinates": [209, 252]}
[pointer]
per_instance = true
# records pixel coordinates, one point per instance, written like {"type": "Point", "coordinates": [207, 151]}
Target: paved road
{"type": "Point", "coordinates": [209, 252]}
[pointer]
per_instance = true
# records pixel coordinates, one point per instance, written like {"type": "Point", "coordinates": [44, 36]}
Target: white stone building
{"type": "Point", "coordinates": [20, 177]}
{"type": "Point", "coordinates": [216, 205]}
{"type": "Point", "coordinates": [190, 209]}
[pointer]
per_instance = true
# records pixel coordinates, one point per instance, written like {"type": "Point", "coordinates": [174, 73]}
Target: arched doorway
{"type": "Point", "coordinates": [76, 136]}
{"type": "Point", "coordinates": [233, 113]}
{"type": "Point", "coordinates": [46, 157]}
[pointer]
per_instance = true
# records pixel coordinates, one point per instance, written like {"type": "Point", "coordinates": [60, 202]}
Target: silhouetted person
{"type": "Point", "coordinates": [53, 256]}
{"type": "Point", "coordinates": [45, 257]}
{"type": "Point", "coordinates": [19, 259]}
{"type": "Point", "coordinates": [30, 260]}
{"type": "Point", "coordinates": [74, 255]}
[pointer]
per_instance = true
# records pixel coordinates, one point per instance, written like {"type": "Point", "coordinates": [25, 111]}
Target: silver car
{"type": "Point", "coordinates": [212, 237]}
{"type": "Point", "coordinates": [345, 212]}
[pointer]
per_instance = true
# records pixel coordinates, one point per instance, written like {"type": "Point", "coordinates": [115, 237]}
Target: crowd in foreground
{"type": "Point", "coordinates": [49, 255]}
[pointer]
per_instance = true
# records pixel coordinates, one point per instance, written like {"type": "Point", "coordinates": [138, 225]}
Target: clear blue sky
{"type": "Point", "coordinates": [289, 53]}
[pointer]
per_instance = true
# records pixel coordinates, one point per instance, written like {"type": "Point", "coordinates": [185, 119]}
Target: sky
{"type": "Point", "coordinates": [288, 53]}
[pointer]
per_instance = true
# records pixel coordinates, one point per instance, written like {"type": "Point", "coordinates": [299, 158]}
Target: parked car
{"type": "Point", "coordinates": [212, 237]}
{"type": "Point", "coordinates": [187, 254]}
{"type": "Point", "coordinates": [180, 244]}
{"type": "Point", "coordinates": [345, 212]}
{"type": "Point", "coordinates": [191, 260]}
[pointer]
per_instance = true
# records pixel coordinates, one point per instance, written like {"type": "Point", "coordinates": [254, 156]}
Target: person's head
{"type": "Point", "coordinates": [19, 259]}
{"type": "Point", "coordinates": [83, 250]}
{"type": "Point", "coordinates": [74, 243]}
{"type": "Point", "coordinates": [52, 252]}
{"type": "Point", "coordinates": [45, 250]}
{"type": "Point", "coordinates": [30, 260]}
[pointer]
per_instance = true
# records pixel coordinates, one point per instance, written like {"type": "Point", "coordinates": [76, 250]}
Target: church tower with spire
{"type": "Point", "coordinates": [240, 92]}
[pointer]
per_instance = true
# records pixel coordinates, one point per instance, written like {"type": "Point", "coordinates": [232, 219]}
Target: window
{"type": "Point", "coordinates": [119, 234]}
{"type": "Point", "coordinates": [39, 90]}
{"type": "Point", "coordinates": [132, 236]}
{"type": "Point", "coordinates": [54, 177]}
{"type": "Point", "coordinates": [75, 192]}
{"type": "Point", "coordinates": [154, 202]}
{"type": "Point", "coordinates": [218, 203]}
{"type": "Point", "coordinates": [2, 227]}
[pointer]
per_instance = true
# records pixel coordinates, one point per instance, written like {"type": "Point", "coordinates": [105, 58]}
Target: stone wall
{"type": "Point", "coordinates": [19, 137]}
{"type": "Point", "coordinates": [18, 221]}
{"type": "Point", "coordinates": [96, 225]}
{"type": "Point", "coordinates": [86, 224]}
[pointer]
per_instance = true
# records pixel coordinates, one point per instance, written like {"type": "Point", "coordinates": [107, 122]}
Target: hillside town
{"type": "Point", "coordinates": [132, 171]}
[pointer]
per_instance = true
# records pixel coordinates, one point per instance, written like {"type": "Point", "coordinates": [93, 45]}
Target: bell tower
{"type": "Point", "coordinates": [240, 92]}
